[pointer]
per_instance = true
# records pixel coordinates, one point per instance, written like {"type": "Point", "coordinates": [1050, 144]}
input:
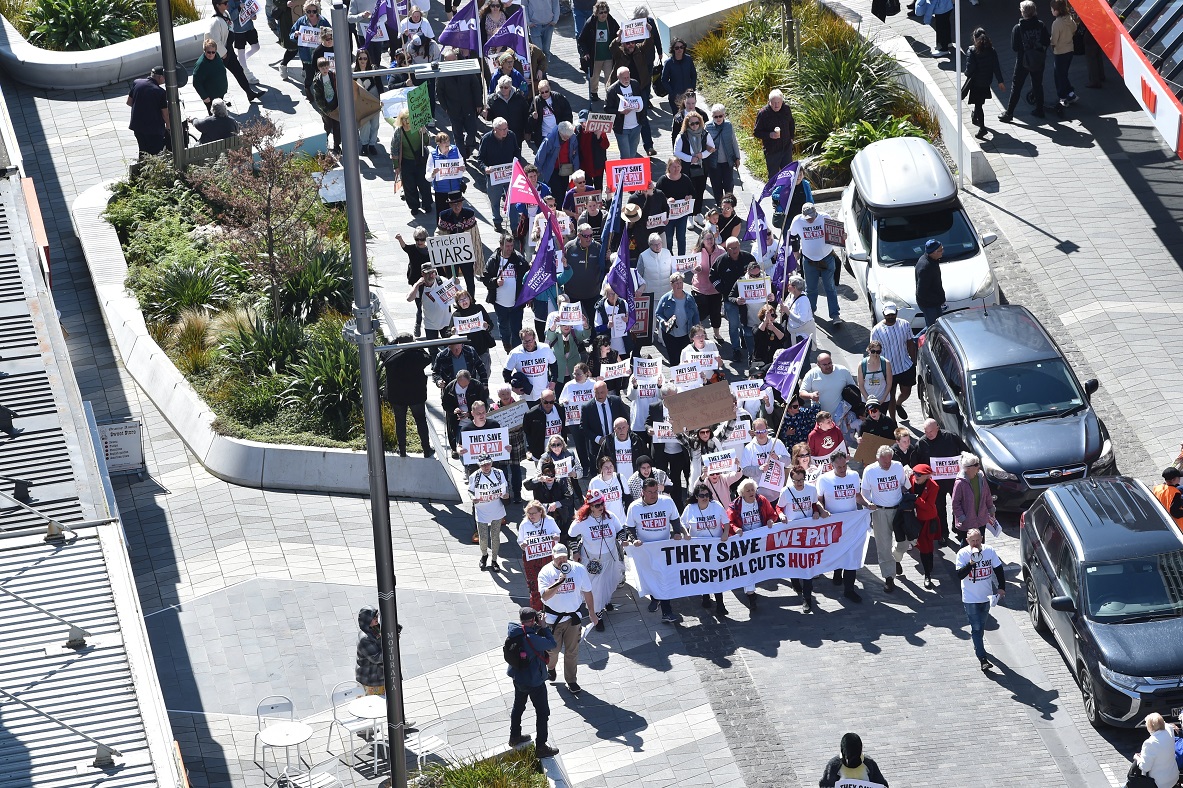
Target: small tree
{"type": "Point", "coordinates": [268, 202]}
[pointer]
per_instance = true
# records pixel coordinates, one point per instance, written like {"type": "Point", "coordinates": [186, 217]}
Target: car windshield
{"type": "Point", "coordinates": [1135, 589]}
{"type": "Point", "coordinates": [1023, 391]}
{"type": "Point", "coordinates": [901, 239]}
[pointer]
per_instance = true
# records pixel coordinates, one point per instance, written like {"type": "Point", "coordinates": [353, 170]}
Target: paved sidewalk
{"type": "Point", "coordinates": [257, 590]}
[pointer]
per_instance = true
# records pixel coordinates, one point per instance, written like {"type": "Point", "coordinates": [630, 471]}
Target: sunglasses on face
{"type": "Point", "coordinates": [597, 506]}
{"type": "Point", "coordinates": [694, 125]}
{"type": "Point", "coordinates": [211, 51]}
{"type": "Point", "coordinates": [585, 235]}
{"type": "Point", "coordinates": [703, 495]}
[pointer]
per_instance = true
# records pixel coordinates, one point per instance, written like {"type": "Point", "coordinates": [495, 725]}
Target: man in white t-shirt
{"type": "Point", "coordinates": [979, 568]}
{"type": "Point", "coordinates": [840, 490]}
{"type": "Point", "coordinates": [654, 518]}
{"type": "Point", "coordinates": [536, 361]}
{"type": "Point", "coordinates": [824, 383]}
{"type": "Point", "coordinates": [565, 586]}
{"type": "Point", "coordinates": [489, 491]}
{"type": "Point", "coordinates": [883, 486]}
{"type": "Point", "coordinates": [759, 454]}
{"type": "Point", "coordinates": [817, 258]}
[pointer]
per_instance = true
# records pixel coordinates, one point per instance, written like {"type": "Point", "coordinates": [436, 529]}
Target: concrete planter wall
{"type": "Point", "coordinates": [97, 68]}
{"type": "Point", "coordinates": [247, 463]}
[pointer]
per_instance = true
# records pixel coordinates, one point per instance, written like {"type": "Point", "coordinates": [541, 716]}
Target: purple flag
{"type": "Point", "coordinates": [786, 367]}
{"type": "Point", "coordinates": [756, 225]}
{"type": "Point", "coordinates": [612, 221]}
{"type": "Point", "coordinates": [461, 28]}
{"type": "Point", "coordinates": [786, 263]}
{"type": "Point", "coordinates": [543, 273]}
{"type": "Point", "coordinates": [512, 34]}
{"type": "Point", "coordinates": [788, 178]}
{"type": "Point", "coordinates": [620, 278]}
{"type": "Point", "coordinates": [381, 11]}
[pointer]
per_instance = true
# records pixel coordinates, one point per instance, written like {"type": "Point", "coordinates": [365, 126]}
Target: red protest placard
{"type": "Point", "coordinates": [634, 172]}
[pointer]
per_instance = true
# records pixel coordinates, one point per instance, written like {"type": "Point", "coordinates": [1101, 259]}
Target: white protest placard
{"type": "Point", "coordinates": [614, 371]}
{"type": "Point", "coordinates": [646, 370]}
{"type": "Point", "coordinates": [747, 389]}
{"type": "Point", "coordinates": [635, 103]}
{"type": "Point", "coordinates": [773, 477]}
{"type": "Point", "coordinates": [500, 173]}
{"type": "Point", "coordinates": [446, 169]}
{"type": "Point", "coordinates": [686, 374]}
{"type": "Point", "coordinates": [394, 102]}
{"type": "Point", "coordinates": [445, 290]}
{"type": "Point", "coordinates": [493, 442]}
{"type": "Point", "coordinates": [619, 326]}
{"type": "Point", "coordinates": [309, 36]}
{"type": "Point", "coordinates": [573, 412]}
{"type": "Point", "coordinates": [684, 263]}
{"type": "Point", "coordinates": [753, 289]}
{"type": "Point", "coordinates": [718, 462]}
{"type": "Point", "coordinates": [582, 201]}
{"type": "Point", "coordinates": [573, 404]}
{"type": "Point", "coordinates": [852, 783]}
{"type": "Point", "coordinates": [566, 226]}
{"type": "Point", "coordinates": [634, 30]}
{"type": "Point", "coordinates": [599, 121]}
{"type": "Point", "coordinates": [705, 359]}
{"type": "Point", "coordinates": [487, 493]}
{"type": "Point", "coordinates": [381, 34]}
{"type": "Point", "coordinates": [656, 220]}
{"type": "Point", "coordinates": [647, 390]}
{"type": "Point", "coordinates": [332, 58]}
{"type": "Point", "coordinates": [680, 208]}
{"type": "Point", "coordinates": [945, 467]}
{"type": "Point", "coordinates": [511, 416]}
{"type": "Point", "coordinates": [123, 446]}
{"type": "Point", "coordinates": [449, 250]}
{"type": "Point", "coordinates": [564, 466]}
{"type": "Point", "coordinates": [571, 315]}
{"type": "Point", "coordinates": [247, 10]}
{"type": "Point", "coordinates": [537, 544]}
{"type": "Point", "coordinates": [740, 432]}
{"type": "Point", "coordinates": [663, 432]}
{"type": "Point", "coordinates": [468, 323]}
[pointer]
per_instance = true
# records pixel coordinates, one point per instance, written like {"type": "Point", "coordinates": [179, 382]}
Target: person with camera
{"type": "Point", "coordinates": [979, 568]}
{"type": "Point", "coordinates": [527, 642]}
{"type": "Point", "coordinates": [565, 586]}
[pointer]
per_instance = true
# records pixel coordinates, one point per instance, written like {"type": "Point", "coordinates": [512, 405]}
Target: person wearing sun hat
{"type": "Point", "coordinates": [596, 532]}
{"type": "Point", "coordinates": [926, 491]}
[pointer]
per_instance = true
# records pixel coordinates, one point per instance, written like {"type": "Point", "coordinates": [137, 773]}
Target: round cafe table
{"type": "Point", "coordinates": [373, 708]}
{"type": "Point", "coordinates": [284, 735]}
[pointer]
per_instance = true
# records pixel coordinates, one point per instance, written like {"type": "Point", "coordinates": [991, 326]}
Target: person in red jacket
{"type": "Point", "coordinates": [925, 490]}
{"type": "Point", "coordinates": [750, 510]}
{"type": "Point", "coordinates": [593, 152]}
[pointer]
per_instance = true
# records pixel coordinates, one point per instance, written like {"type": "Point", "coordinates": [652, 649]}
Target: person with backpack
{"type": "Point", "coordinates": [1029, 39]}
{"type": "Point", "coordinates": [525, 651]}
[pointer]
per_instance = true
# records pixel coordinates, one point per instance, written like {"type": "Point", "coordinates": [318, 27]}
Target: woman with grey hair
{"type": "Point", "coordinates": [799, 319]}
{"type": "Point", "coordinates": [655, 265]}
{"type": "Point", "coordinates": [558, 158]}
{"type": "Point", "coordinates": [973, 505]}
{"type": "Point", "coordinates": [722, 166]}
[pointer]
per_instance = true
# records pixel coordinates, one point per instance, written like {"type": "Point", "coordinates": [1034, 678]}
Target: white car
{"type": "Point", "coordinates": [901, 195]}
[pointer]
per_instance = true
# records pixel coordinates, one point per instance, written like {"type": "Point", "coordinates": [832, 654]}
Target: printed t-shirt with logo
{"type": "Point", "coordinates": [798, 504]}
{"type": "Point", "coordinates": [534, 364]}
{"type": "Point", "coordinates": [884, 487]}
{"type": "Point", "coordinates": [507, 292]}
{"type": "Point", "coordinates": [652, 522]}
{"type": "Point", "coordinates": [839, 493]}
{"type": "Point", "coordinates": [569, 595]}
{"type": "Point", "coordinates": [599, 536]}
{"type": "Point", "coordinates": [622, 455]}
{"type": "Point", "coordinates": [554, 422]}
{"type": "Point", "coordinates": [536, 539]}
{"type": "Point", "coordinates": [749, 515]}
{"type": "Point", "coordinates": [708, 523]}
{"type": "Point", "coordinates": [574, 397]}
{"type": "Point", "coordinates": [977, 586]}
{"type": "Point", "coordinates": [486, 490]}
{"type": "Point", "coordinates": [613, 492]}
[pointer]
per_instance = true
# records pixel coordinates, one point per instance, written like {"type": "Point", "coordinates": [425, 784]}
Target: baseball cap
{"type": "Point", "coordinates": [158, 71]}
{"type": "Point", "coordinates": [594, 497]}
{"type": "Point", "coordinates": [890, 308]}
{"type": "Point", "coordinates": [931, 245]}
{"type": "Point", "coordinates": [809, 210]}
{"type": "Point", "coordinates": [872, 401]}
{"type": "Point", "coordinates": [559, 549]}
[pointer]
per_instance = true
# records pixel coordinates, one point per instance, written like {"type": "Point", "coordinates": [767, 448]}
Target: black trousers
{"type": "Point", "coordinates": [710, 308]}
{"type": "Point", "coordinates": [235, 68]}
{"type": "Point", "coordinates": [538, 697]}
{"type": "Point", "coordinates": [419, 411]}
{"type": "Point", "coordinates": [1016, 87]}
{"type": "Point", "coordinates": [944, 490]}
{"type": "Point", "coordinates": [678, 467]}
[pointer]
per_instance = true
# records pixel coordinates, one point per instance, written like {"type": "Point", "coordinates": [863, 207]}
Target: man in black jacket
{"type": "Point", "coordinates": [462, 97]}
{"type": "Point", "coordinates": [548, 105]}
{"type": "Point", "coordinates": [941, 450]}
{"type": "Point", "coordinates": [509, 103]}
{"type": "Point", "coordinates": [542, 422]}
{"type": "Point", "coordinates": [930, 287]}
{"type": "Point", "coordinates": [1029, 39]}
{"type": "Point", "coordinates": [597, 417]}
{"type": "Point", "coordinates": [498, 147]}
{"type": "Point", "coordinates": [455, 357]}
{"type": "Point", "coordinates": [623, 447]}
{"type": "Point", "coordinates": [725, 272]}
{"type": "Point", "coordinates": [505, 270]}
{"type": "Point", "coordinates": [456, 399]}
{"type": "Point", "coordinates": [406, 388]}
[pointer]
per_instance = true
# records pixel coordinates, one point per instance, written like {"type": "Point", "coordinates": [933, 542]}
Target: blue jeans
{"type": "Point", "coordinates": [826, 274]}
{"type": "Point", "coordinates": [541, 35]}
{"type": "Point", "coordinates": [580, 16]}
{"type": "Point", "coordinates": [1060, 66]}
{"type": "Point", "coordinates": [977, 613]}
{"type": "Point", "coordinates": [509, 322]}
{"type": "Point", "coordinates": [496, 194]}
{"type": "Point", "coordinates": [931, 313]}
{"type": "Point", "coordinates": [369, 132]}
{"type": "Point", "coordinates": [538, 697]}
{"type": "Point", "coordinates": [676, 227]}
{"type": "Point", "coordinates": [628, 140]}
{"type": "Point", "coordinates": [738, 330]}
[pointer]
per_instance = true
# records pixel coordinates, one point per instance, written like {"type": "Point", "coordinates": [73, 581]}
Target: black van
{"type": "Point", "coordinates": [1104, 571]}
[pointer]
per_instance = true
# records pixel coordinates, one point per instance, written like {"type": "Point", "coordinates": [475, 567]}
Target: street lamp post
{"type": "Point", "coordinates": [168, 55]}
{"type": "Point", "coordinates": [957, 94]}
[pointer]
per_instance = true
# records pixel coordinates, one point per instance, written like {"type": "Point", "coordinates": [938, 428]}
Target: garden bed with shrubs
{"type": "Point", "coordinates": [513, 769]}
{"type": "Point", "coordinates": [844, 93]}
{"type": "Point", "coordinates": [84, 25]}
{"type": "Point", "coordinates": [243, 276]}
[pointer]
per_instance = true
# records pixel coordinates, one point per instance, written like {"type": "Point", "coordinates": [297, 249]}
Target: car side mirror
{"type": "Point", "coordinates": [949, 406]}
{"type": "Point", "coordinates": [1064, 604]}
{"type": "Point", "coordinates": [1091, 385]}
{"type": "Point", "coordinates": [989, 238]}
{"type": "Point", "coordinates": [860, 257]}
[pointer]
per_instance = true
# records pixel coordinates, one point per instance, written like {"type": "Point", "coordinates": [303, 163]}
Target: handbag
{"type": "Point", "coordinates": [1078, 39]}
{"type": "Point", "coordinates": [658, 85]}
{"type": "Point", "coordinates": [1136, 778]}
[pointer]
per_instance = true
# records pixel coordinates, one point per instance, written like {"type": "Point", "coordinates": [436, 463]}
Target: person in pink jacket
{"type": "Point", "coordinates": [973, 505]}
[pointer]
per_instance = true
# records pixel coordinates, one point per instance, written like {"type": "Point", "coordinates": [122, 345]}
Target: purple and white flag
{"type": "Point", "coordinates": [788, 178]}
{"type": "Point", "coordinates": [786, 367]}
{"type": "Point", "coordinates": [461, 28]}
{"type": "Point", "coordinates": [786, 263]}
{"type": "Point", "coordinates": [620, 278]}
{"type": "Point", "coordinates": [381, 11]}
{"type": "Point", "coordinates": [512, 34]}
{"type": "Point", "coordinates": [544, 271]}
{"type": "Point", "coordinates": [756, 224]}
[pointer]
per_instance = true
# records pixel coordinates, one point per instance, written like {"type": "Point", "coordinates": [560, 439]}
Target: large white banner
{"type": "Point", "coordinates": [673, 569]}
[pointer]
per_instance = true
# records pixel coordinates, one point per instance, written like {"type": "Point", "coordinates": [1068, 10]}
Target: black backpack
{"type": "Point", "coordinates": [513, 650]}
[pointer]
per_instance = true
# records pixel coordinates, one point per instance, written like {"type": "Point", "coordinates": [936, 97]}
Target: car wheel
{"type": "Point", "coordinates": [1033, 610]}
{"type": "Point", "coordinates": [1088, 697]}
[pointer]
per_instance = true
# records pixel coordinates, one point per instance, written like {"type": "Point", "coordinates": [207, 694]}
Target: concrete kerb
{"type": "Point", "coordinates": [246, 463]}
{"type": "Point", "coordinates": [42, 68]}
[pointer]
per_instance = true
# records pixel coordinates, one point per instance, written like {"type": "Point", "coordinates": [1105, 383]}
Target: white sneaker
{"type": "Point", "coordinates": [937, 52]}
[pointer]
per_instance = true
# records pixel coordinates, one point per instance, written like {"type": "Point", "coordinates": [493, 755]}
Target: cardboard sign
{"type": "Point", "coordinates": [747, 389]}
{"type": "Point", "coordinates": [614, 371]}
{"type": "Point", "coordinates": [646, 369]}
{"type": "Point", "coordinates": [511, 416]}
{"type": "Point", "coordinates": [705, 360]}
{"type": "Point", "coordinates": [309, 37]}
{"type": "Point", "coordinates": [247, 9]}
{"type": "Point", "coordinates": [582, 201]}
{"type": "Point", "coordinates": [450, 250]}
{"type": "Point", "coordinates": [599, 121]}
{"type": "Point", "coordinates": [494, 442]}
{"type": "Point", "coordinates": [753, 289]}
{"type": "Point", "coordinates": [684, 263]}
{"type": "Point", "coordinates": [656, 220]}
{"type": "Point", "coordinates": [419, 106]}
{"type": "Point", "coordinates": [663, 432]}
{"type": "Point", "coordinates": [570, 315]}
{"type": "Point", "coordinates": [868, 444]}
{"type": "Point", "coordinates": [834, 231]}
{"type": "Point", "coordinates": [364, 104]}
{"type": "Point", "coordinates": [468, 324]}
{"type": "Point", "coordinates": [942, 467]}
{"type": "Point", "coordinates": [448, 169]}
{"type": "Point", "coordinates": [719, 462]}
{"type": "Point", "coordinates": [680, 208]}
{"type": "Point", "coordinates": [634, 172]}
{"type": "Point", "coordinates": [564, 466]}
{"type": "Point", "coordinates": [634, 30]}
{"type": "Point", "coordinates": [500, 173]}
{"type": "Point", "coordinates": [685, 374]}
{"type": "Point", "coordinates": [701, 407]}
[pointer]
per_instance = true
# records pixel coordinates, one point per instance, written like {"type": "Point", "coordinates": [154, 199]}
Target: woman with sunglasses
{"type": "Point", "coordinates": [608, 483]}
{"type": "Point", "coordinates": [874, 374]}
{"type": "Point", "coordinates": [597, 530]}
{"type": "Point", "coordinates": [372, 85]}
{"type": "Point", "coordinates": [676, 187]}
{"type": "Point", "coordinates": [725, 162]}
{"type": "Point", "coordinates": [492, 16]}
{"type": "Point", "coordinates": [705, 518]}
{"type": "Point", "coordinates": [209, 76]}
{"type": "Point", "coordinates": [678, 73]}
{"type": "Point", "coordinates": [305, 34]}
{"type": "Point", "coordinates": [694, 147]}
{"type": "Point", "coordinates": [537, 534]}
